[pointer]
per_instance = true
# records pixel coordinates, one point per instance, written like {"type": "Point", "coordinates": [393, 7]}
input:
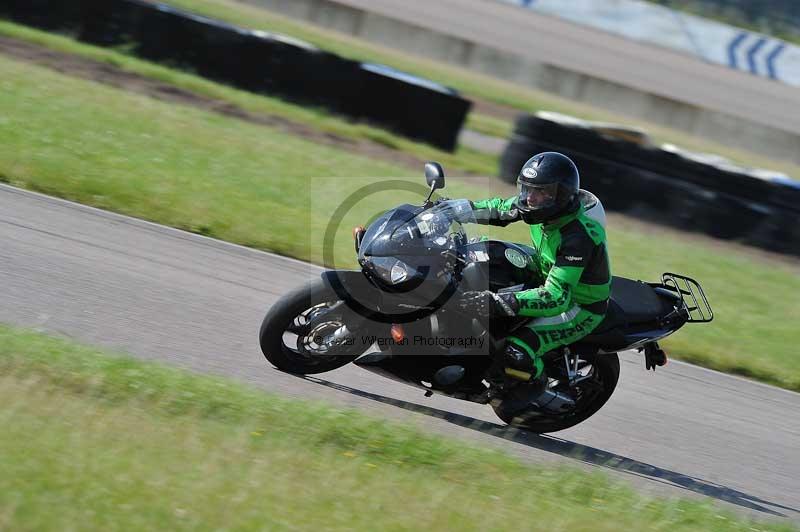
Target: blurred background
{"type": "Point", "coordinates": [252, 121]}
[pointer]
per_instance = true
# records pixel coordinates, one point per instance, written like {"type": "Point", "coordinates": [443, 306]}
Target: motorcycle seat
{"type": "Point", "coordinates": [633, 302]}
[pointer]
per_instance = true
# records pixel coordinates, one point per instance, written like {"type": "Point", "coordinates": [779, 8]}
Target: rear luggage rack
{"type": "Point", "coordinates": [692, 296]}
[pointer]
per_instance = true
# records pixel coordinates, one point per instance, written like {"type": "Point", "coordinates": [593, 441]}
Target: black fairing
{"type": "Point", "coordinates": [355, 289]}
{"type": "Point", "coordinates": [369, 300]}
{"type": "Point", "coordinates": [419, 244]}
{"type": "Point", "coordinates": [488, 266]}
{"type": "Point", "coordinates": [396, 235]}
{"type": "Point", "coordinates": [379, 239]}
{"type": "Point", "coordinates": [420, 370]}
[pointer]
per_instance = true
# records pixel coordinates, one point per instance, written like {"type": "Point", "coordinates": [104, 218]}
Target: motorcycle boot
{"type": "Point", "coordinates": [520, 365]}
{"type": "Point", "coordinates": [514, 372]}
{"type": "Point", "coordinates": [525, 384]}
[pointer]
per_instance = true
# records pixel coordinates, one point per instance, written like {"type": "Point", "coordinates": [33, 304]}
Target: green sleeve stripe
{"type": "Point", "coordinates": [500, 204]}
{"type": "Point", "coordinates": [586, 293]}
{"type": "Point", "coordinates": [566, 275]}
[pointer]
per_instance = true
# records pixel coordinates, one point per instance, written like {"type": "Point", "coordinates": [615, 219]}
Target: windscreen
{"type": "Point", "coordinates": [440, 224]}
{"type": "Point", "coordinates": [417, 232]}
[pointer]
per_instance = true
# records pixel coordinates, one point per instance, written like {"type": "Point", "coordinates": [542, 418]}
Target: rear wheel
{"type": "Point", "coordinates": [597, 379]}
{"type": "Point", "coordinates": [296, 334]}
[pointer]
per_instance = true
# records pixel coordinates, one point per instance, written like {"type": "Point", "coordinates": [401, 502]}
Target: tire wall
{"type": "Point", "coordinates": [664, 187]}
{"type": "Point", "coordinates": [258, 62]}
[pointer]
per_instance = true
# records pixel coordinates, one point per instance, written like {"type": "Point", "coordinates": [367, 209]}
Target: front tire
{"type": "Point", "coordinates": [301, 313]}
{"type": "Point", "coordinates": [602, 386]}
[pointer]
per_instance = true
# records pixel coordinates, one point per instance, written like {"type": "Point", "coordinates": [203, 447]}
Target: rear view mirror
{"type": "Point", "coordinates": [434, 175]}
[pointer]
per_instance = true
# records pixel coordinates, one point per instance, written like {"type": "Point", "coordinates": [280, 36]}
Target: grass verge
{"type": "Point", "coordinates": [99, 442]}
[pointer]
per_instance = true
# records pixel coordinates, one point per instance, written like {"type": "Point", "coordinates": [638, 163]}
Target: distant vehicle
{"type": "Point", "coordinates": [396, 317]}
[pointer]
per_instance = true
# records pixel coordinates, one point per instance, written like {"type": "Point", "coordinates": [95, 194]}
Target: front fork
{"type": "Point", "coordinates": [351, 322]}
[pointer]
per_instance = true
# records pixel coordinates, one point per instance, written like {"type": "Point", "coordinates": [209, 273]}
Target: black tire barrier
{"type": "Point", "coordinates": [598, 175]}
{"type": "Point", "coordinates": [45, 14]}
{"type": "Point", "coordinates": [785, 194]}
{"type": "Point", "coordinates": [637, 181]}
{"type": "Point", "coordinates": [515, 155]}
{"type": "Point", "coordinates": [417, 107]}
{"type": "Point", "coordinates": [258, 62]}
{"type": "Point", "coordinates": [780, 230]}
{"type": "Point", "coordinates": [112, 23]}
{"type": "Point", "coordinates": [672, 164]}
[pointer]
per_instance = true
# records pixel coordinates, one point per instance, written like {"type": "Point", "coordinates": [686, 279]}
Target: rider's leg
{"type": "Point", "coordinates": [527, 344]}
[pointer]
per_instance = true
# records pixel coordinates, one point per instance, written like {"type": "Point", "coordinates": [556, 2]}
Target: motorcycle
{"type": "Point", "coordinates": [397, 317]}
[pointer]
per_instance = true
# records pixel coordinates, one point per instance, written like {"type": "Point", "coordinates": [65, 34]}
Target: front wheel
{"type": "Point", "coordinates": [599, 375]}
{"type": "Point", "coordinates": [296, 333]}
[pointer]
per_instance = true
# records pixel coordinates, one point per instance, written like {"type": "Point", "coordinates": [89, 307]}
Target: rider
{"type": "Point", "coordinates": [572, 258]}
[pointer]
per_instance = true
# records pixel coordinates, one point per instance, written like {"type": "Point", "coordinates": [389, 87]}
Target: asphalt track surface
{"type": "Point", "coordinates": [564, 44]}
{"type": "Point", "coordinates": [197, 303]}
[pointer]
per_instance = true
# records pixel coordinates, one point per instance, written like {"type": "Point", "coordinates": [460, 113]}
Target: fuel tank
{"type": "Point", "coordinates": [496, 264]}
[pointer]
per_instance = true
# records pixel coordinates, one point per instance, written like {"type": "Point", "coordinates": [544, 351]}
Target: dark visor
{"type": "Point", "coordinates": [536, 197]}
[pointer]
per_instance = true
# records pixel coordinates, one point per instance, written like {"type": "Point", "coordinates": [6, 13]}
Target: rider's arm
{"type": "Point", "coordinates": [555, 295]}
{"type": "Point", "coordinates": [495, 211]}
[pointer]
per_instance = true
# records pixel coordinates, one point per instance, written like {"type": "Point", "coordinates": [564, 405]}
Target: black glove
{"type": "Point", "coordinates": [486, 303]}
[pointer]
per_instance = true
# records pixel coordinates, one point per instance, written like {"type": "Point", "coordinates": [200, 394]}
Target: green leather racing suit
{"type": "Point", "coordinates": [573, 260]}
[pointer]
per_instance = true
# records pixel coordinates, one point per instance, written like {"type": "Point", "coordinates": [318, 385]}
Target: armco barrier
{"type": "Point", "coordinates": [258, 62]}
{"type": "Point", "coordinates": [664, 187]}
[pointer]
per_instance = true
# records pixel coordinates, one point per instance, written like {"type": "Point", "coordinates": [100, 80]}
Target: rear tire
{"type": "Point", "coordinates": [535, 420]}
{"type": "Point", "coordinates": [283, 315]}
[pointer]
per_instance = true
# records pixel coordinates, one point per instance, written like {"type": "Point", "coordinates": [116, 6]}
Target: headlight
{"type": "Point", "coordinates": [390, 270]}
